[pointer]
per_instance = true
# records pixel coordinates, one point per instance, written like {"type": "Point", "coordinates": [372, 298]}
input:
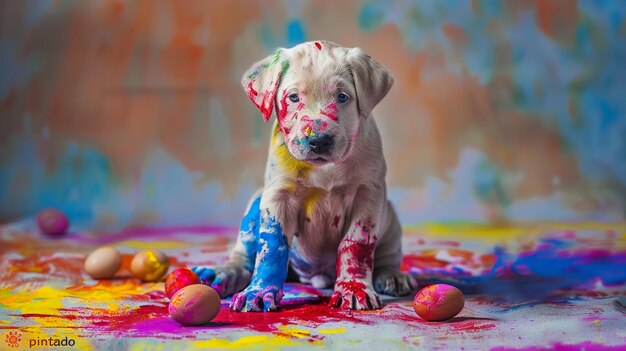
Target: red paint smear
{"type": "Point", "coordinates": [471, 326]}
{"type": "Point", "coordinates": [313, 315]}
{"type": "Point", "coordinates": [330, 111]}
{"type": "Point", "coordinates": [336, 222]}
{"type": "Point", "coordinates": [282, 111]}
{"type": "Point", "coordinates": [266, 104]}
{"type": "Point", "coordinates": [358, 255]}
{"type": "Point", "coordinates": [319, 46]}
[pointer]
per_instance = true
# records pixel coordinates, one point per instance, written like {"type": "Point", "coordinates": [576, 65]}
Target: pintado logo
{"type": "Point", "coordinates": [13, 338]}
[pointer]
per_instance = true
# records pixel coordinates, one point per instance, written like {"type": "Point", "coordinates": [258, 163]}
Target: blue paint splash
{"type": "Point", "coordinates": [551, 268]}
{"type": "Point", "coordinates": [295, 33]}
{"type": "Point", "coordinates": [249, 233]}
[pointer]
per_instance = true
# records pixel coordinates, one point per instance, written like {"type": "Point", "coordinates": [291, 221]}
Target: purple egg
{"type": "Point", "coordinates": [52, 222]}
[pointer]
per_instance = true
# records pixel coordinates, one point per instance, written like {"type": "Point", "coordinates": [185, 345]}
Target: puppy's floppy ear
{"type": "Point", "coordinates": [372, 80]}
{"type": "Point", "coordinates": [262, 79]}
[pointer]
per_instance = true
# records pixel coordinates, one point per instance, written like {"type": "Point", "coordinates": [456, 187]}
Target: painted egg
{"type": "Point", "coordinates": [149, 265]}
{"type": "Point", "coordinates": [103, 263]}
{"type": "Point", "coordinates": [438, 302]}
{"type": "Point", "coordinates": [194, 305]}
{"type": "Point", "coordinates": [52, 222]}
{"type": "Point", "coordinates": [178, 279]}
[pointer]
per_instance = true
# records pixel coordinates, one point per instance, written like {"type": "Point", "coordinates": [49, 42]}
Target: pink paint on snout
{"type": "Point", "coordinates": [330, 111]}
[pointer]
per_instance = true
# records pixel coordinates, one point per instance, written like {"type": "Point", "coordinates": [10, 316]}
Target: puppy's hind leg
{"type": "Point", "coordinates": [236, 273]}
{"type": "Point", "coordinates": [388, 279]}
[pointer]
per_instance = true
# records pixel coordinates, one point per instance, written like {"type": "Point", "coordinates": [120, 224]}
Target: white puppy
{"type": "Point", "coordinates": [323, 209]}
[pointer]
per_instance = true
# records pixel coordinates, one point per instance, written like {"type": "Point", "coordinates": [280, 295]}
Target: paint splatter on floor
{"type": "Point", "coordinates": [542, 287]}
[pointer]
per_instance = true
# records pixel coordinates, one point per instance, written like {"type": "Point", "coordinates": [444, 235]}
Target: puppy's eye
{"type": "Point", "coordinates": [294, 97]}
{"type": "Point", "coordinates": [343, 97]}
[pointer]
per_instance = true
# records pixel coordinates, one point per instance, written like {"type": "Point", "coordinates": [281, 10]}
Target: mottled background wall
{"type": "Point", "coordinates": [131, 112]}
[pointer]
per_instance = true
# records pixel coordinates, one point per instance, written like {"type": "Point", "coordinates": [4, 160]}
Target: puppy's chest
{"type": "Point", "coordinates": [322, 217]}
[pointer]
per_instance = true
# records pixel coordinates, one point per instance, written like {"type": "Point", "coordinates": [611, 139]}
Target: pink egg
{"type": "Point", "coordinates": [52, 222]}
{"type": "Point", "coordinates": [438, 302]}
{"type": "Point", "coordinates": [194, 305]}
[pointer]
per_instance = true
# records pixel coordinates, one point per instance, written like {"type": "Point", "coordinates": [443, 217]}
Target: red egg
{"type": "Point", "coordinates": [438, 302]}
{"type": "Point", "coordinates": [52, 222]}
{"type": "Point", "coordinates": [178, 279]}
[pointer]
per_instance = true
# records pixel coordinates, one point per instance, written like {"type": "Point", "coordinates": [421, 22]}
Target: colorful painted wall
{"type": "Point", "coordinates": [131, 112]}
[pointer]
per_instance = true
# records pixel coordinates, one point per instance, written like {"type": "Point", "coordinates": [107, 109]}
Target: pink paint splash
{"type": "Point", "coordinates": [587, 346]}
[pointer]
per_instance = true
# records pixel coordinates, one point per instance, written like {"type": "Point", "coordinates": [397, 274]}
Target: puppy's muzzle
{"type": "Point", "coordinates": [321, 145]}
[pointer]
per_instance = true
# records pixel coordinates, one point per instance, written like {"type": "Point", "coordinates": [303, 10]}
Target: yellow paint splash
{"type": "Point", "coordinates": [311, 201]}
{"type": "Point", "coordinates": [156, 268]}
{"type": "Point", "coordinates": [332, 331]}
{"type": "Point", "coordinates": [508, 233]}
{"type": "Point", "coordinates": [157, 245]}
{"type": "Point", "coordinates": [295, 332]}
{"type": "Point", "coordinates": [252, 343]}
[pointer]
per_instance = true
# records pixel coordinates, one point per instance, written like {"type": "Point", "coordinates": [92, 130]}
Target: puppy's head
{"type": "Point", "coordinates": [321, 92]}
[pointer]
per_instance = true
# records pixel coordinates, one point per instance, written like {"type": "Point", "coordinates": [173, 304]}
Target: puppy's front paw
{"type": "Point", "coordinates": [394, 283]}
{"type": "Point", "coordinates": [226, 280]}
{"type": "Point", "coordinates": [254, 298]}
{"type": "Point", "coordinates": [355, 295]}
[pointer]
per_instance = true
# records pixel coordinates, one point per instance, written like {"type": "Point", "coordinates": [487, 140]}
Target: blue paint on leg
{"type": "Point", "coordinates": [266, 288]}
{"type": "Point", "coordinates": [249, 233]}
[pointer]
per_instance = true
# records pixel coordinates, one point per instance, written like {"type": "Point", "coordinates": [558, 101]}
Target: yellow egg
{"type": "Point", "coordinates": [103, 263]}
{"type": "Point", "coordinates": [195, 304]}
{"type": "Point", "coordinates": [149, 265]}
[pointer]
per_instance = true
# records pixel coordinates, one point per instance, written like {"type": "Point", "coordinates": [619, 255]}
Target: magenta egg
{"type": "Point", "coordinates": [52, 222]}
{"type": "Point", "coordinates": [195, 304]}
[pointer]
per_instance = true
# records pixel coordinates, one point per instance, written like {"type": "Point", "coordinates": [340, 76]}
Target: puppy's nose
{"type": "Point", "coordinates": [321, 144]}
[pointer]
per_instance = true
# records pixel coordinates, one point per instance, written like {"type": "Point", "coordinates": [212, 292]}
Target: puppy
{"type": "Point", "coordinates": [323, 209]}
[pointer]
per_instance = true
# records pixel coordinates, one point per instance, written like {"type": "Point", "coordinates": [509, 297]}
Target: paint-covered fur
{"type": "Point", "coordinates": [323, 208]}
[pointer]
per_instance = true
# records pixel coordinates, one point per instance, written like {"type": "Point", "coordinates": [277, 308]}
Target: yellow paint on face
{"type": "Point", "coordinates": [289, 163]}
{"type": "Point", "coordinates": [309, 132]}
{"type": "Point", "coordinates": [311, 201]}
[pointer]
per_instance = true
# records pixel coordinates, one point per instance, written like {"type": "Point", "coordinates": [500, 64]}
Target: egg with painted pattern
{"type": "Point", "coordinates": [438, 302]}
{"type": "Point", "coordinates": [195, 304]}
{"type": "Point", "coordinates": [178, 279]}
{"type": "Point", "coordinates": [149, 265]}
